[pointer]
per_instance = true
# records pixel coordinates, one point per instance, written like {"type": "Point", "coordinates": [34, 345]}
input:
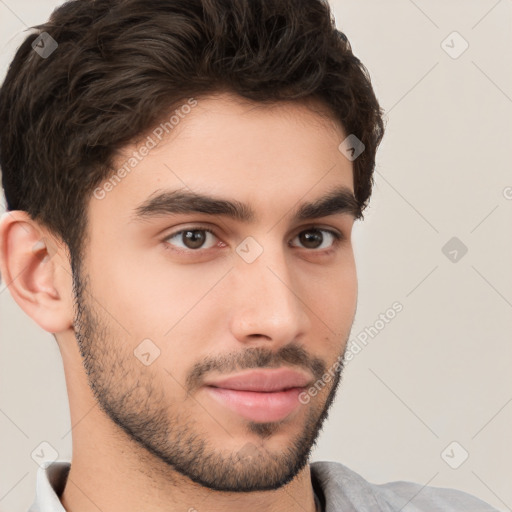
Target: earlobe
{"type": "Point", "coordinates": [33, 267]}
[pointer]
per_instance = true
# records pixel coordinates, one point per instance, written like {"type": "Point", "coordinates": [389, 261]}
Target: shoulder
{"type": "Point", "coordinates": [433, 498]}
{"type": "Point", "coordinates": [342, 486]}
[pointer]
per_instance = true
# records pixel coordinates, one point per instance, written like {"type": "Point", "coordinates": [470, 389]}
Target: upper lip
{"type": "Point", "coordinates": [263, 380]}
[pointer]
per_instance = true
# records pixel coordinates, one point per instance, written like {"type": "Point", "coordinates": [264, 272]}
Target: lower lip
{"type": "Point", "coordinates": [258, 406]}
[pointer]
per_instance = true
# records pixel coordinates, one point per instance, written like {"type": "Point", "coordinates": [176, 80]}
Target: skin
{"type": "Point", "coordinates": [162, 443]}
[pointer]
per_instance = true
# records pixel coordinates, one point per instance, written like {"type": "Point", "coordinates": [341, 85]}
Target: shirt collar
{"type": "Point", "coordinates": [50, 482]}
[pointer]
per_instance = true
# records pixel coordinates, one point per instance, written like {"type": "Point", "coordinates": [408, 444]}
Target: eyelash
{"type": "Point", "coordinates": [338, 238]}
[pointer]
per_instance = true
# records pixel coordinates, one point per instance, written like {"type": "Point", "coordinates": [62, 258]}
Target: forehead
{"type": "Point", "coordinates": [269, 156]}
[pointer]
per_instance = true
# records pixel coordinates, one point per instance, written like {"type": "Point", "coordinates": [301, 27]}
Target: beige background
{"type": "Point", "coordinates": [440, 370]}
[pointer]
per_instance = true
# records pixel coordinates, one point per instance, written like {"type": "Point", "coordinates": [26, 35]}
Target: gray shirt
{"type": "Point", "coordinates": [337, 489]}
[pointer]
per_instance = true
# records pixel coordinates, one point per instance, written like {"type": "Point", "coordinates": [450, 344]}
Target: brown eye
{"type": "Point", "coordinates": [311, 239]}
{"type": "Point", "coordinates": [317, 239]}
{"type": "Point", "coordinates": [192, 239]}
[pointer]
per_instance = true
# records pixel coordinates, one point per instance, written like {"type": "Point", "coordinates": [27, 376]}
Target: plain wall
{"type": "Point", "coordinates": [439, 371]}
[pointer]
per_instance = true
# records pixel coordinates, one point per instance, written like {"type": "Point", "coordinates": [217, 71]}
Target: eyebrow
{"type": "Point", "coordinates": [168, 202]}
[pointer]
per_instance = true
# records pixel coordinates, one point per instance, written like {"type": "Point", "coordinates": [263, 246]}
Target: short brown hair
{"type": "Point", "coordinates": [121, 64]}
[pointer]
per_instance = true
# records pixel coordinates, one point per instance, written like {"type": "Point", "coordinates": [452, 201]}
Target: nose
{"type": "Point", "coordinates": [267, 301]}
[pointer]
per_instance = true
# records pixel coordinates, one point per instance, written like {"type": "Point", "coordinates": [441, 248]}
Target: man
{"type": "Point", "coordinates": [182, 178]}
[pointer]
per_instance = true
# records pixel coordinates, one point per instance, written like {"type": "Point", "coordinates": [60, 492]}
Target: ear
{"type": "Point", "coordinates": [35, 267]}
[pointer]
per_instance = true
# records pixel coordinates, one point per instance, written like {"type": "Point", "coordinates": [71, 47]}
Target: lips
{"type": "Point", "coordinates": [263, 381]}
{"type": "Point", "coordinates": [260, 395]}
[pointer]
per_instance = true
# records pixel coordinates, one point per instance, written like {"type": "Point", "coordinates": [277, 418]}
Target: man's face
{"type": "Point", "coordinates": [165, 307]}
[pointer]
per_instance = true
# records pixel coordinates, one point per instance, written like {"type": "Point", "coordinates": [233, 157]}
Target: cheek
{"type": "Point", "coordinates": [146, 298]}
{"type": "Point", "coordinates": [341, 311]}
{"type": "Point", "coordinates": [335, 287]}
{"type": "Point", "coordinates": [333, 299]}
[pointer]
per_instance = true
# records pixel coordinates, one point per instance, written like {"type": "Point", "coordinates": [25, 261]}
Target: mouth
{"type": "Point", "coordinates": [262, 395]}
{"type": "Point", "coordinates": [260, 406]}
